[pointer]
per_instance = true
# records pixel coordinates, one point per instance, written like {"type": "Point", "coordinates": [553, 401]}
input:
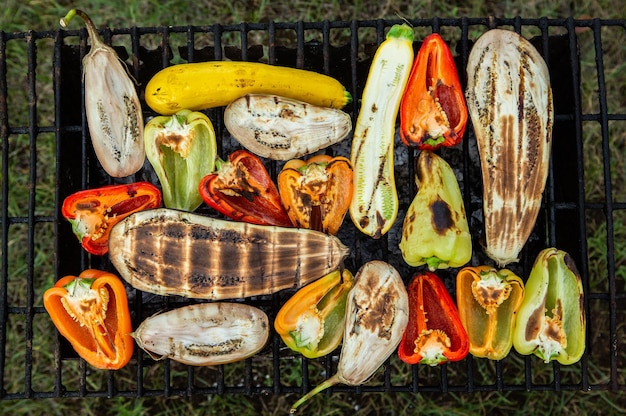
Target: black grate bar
{"type": "Point", "coordinates": [580, 202]}
{"type": "Point", "coordinates": [32, 182]}
{"type": "Point", "coordinates": [608, 203]}
{"type": "Point", "coordinates": [4, 210]}
{"type": "Point", "coordinates": [490, 22]}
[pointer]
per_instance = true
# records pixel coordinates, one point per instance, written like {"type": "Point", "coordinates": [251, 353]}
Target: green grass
{"type": "Point", "coordinates": [40, 15]}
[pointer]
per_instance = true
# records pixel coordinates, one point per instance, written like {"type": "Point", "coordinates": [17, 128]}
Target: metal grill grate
{"type": "Point", "coordinates": [35, 362]}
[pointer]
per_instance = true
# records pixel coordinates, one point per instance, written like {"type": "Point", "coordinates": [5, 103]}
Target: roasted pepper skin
{"type": "Point", "coordinates": [93, 212]}
{"type": "Point", "coordinates": [488, 300]}
{"type": "Point", "coordinates": [312, 321]}
{"type": "Point", "coordinates": [242, 189]}
{"type": "Point", "coordinates": [91, 312]}
{"type": "Point", "coordinates": [435, 231]}
{"type": "Point", "coordinates": [433, 112]}
{"type": "Point", "coordinates": [551, 321]}
{"type": "Point", "coordinates": [317, 192]}
{"type": "Point", "coordinates": [182, 150]}
{"type": "Point", "coordinates": [435, 334]}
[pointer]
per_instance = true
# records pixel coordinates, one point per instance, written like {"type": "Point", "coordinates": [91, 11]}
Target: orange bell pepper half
{"type": "Point", "coordinates": [434, 334]}
{"type": "Point", "coordinates": [91, 312]}
{"type": "Point", "coordinates": [488, 302]}
{"type": "Point", "coordinates": [93, 212]}
{"type": "Point", "coordinates": [317, 192]}
{"type": "Point", "coordinates": [433, 112]}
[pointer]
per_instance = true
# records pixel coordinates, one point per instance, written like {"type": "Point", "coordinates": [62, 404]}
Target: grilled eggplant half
{"type": "Point", "coordinates": [509, 99]}
{"type": "Point", "coordinates": [204, 334]}
{"type": "Point", "coordinates": [171, 252]}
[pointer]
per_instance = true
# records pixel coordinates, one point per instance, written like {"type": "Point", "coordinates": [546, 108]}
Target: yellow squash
{"type": "Point", "coordinates": [197, 86]}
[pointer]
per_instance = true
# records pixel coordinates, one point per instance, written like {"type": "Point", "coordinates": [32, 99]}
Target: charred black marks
{"type": "Point", "coordinates": [175, 231]}
{"type": "Point", "coordinates": [441, 215]}
{"type": "Point", "coordinates": [225, 347]}
{"type": "Point", "coordinates": [198, 280]}
{"type": "Point", "coordinates": [533, 325]}
{"type": "Point", "coordinates": [264, 137]}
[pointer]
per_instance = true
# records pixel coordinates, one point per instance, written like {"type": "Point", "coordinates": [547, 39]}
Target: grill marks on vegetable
{"type": "Point", "coordinates": [510, 101]}
{"type": "Point", "coordinates": [282, 128]}
{"type": "Point", "coordinates": [170, 252]}
{"type": "Point", "coordinates": [375, 315]}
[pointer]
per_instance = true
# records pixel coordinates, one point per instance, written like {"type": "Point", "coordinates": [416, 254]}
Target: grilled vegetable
{"type": "Point", "coordinates": [317, 193]}
{"type": "Point", "coordinates": [376, 317]}
{"type": "Point", "coordinates": [93, 212]}
{"type": "Point", "coordinates": [551, 320]}
{"type": "Point", "coordinates": [112, 107]}
{"type": "Point", "coordinates": [204, 334]}
{"type": "Point", "coordinates": [312, 321]}
{"type": "Point", "coordinates": [435, 230]}
{"type": "Point", "coordinates": [281, 128]}
{"type": "Point", "coordinates": [510, 102]}
{"type": "Point", "coordinates": [434, 334]}
{"type": "Point", "coordinates": [170, 252]}
{"type": "Point", "coordinates": [488, 301]}
{"type": "Point", "coordinates": [433, 112]}
{"type": "Point", "coordinates": [197, 86]}
{"type": "Point", "coordinates": [182, 150]}
{"type": "Point", "coordinates": [91, 312]}
{"type": "Point", "coordinates": [374, 205]}
{"type": "Point", "coordinates": [242, 189]}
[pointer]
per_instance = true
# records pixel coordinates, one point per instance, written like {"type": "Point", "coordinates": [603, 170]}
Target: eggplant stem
{"type": "Point", "coordinates": [91, 28]}
{"type": "Point", "coordinates": [326, 384]}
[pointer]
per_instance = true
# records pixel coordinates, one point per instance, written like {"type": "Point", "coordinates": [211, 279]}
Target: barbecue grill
{"type": "Point", "coordinates": [38, 232]}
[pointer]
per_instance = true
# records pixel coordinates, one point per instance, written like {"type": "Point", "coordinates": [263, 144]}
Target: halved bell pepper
{"type": "Point", "coordinates": [181, 149]}
{"type": "Point", "coordinates": [93, 212]}
{"type": "Point", "coordinates": [433, 112]}
{"type": "Point", "coordinates": [551, 321]}
{"type": "Point", "coordinates": [434, 334]}
{"type": "Point", "coordinates": [317, 192]}
{"type": "Point", "coordinates": [488, 301]}
{"type": "Point", "coordinates": [242, 189]}
{"type": "Point", "coordinates": [435, 230]}
{"type": "Point", "coordinates": [92, 312]}
{"type": "Point", "coordinates": [312, 321]}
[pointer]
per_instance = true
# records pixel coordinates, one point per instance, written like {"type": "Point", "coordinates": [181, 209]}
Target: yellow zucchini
{"type": "Point", "coordinates": [197, 86]}
{"type": "Point", "coordinates": [374, 206]}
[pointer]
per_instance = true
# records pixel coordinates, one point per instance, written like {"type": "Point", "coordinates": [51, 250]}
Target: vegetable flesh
{"type": "Point", "coordinates": [376, 317]}
{"type": "Point", "coordinates": [204, 334]}
{"type": "Point", "coordinates": [510, 103]}
{"type": "Point", "coordinates": [374, 205]}
{"type": "Point", "coordinates": [170, 252]}
{"type": "Point", "coordinates": [280, 128]}
{"type": "Point", "coordinates": [112, 106]}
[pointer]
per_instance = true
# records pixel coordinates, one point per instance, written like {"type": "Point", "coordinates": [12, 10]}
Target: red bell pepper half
{"type": "Point", "coordinates": [434, 334]}
{"type": "Point", "coordinates": [433, 112]}
{"type": "Point", "coordinates": [93, 212]}
{"type": "Point", "coordinates": [242, 189]}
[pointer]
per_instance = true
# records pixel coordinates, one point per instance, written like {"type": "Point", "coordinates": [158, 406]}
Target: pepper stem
{"type": "Point", "coordinates": [433, 263]}
{"type": "Point", "coordinates": [326, 384]}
